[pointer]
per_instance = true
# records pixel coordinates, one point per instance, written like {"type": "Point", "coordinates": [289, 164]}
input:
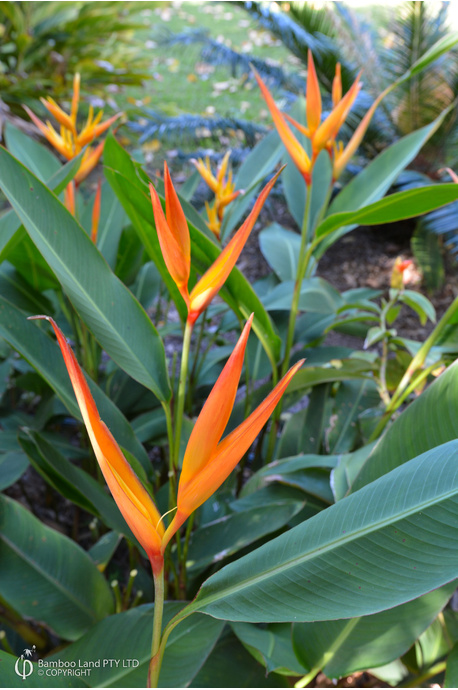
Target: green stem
{"type": "Point", "coordinates": [416, 363]}
{"type": "Point", "coordinates": [302, 264]}
{"type": "Point", "coordinates": [181, 391]}
{"type": "Point", "coordinates": [155, 663]}
{"type": "Point", "coordinates": [171, 473]}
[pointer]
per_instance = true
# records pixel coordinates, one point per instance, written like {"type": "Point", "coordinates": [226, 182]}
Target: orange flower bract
{"type": "Point", "coordinates": [132, 499]}
{"type": "Point", "coordinates": [173, 235]}
{"type": "Point", "coordinates": [208, 461]}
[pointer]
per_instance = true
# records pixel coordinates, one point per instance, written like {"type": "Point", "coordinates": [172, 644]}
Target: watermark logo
{"type": "Point", "coordinates": [23, 666]}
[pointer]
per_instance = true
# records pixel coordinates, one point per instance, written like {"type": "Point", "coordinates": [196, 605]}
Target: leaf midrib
{"type": "Point", "coordinates": [321, 550]}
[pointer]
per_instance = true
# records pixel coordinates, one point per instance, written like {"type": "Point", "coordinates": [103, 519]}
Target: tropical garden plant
{"type": "Point", "coordinates": [331, 547]}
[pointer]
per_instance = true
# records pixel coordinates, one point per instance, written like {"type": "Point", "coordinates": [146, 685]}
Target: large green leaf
{"type": "Point", "coordinates": [128, 636]}
{"type": "Point", "coordinates": [231, 666]}
{"type": "Point", "coordinates": [280, 248]}
{"type": "Point", "coordinates": [237, 292]}
{"type": "Point", "coordinates": [36, 157]}
{"type": "Point", "coordinates": [111, 312]}
{"type": "Point", "coordinates": [46, 576]}
{"type": "Point", "coordinates": [392, 541]}
{"type": "Point", "coordinates": [341, 647]}
{"type": "Point", "coordinates": [44, 355]}
{"type": "Point", "coordinates": [430, 420]}
{"type": "Point", "coordinates": [399, 206]}
{"type": "Point", "coordinates": [217, 540]}
{"type": "Point", "coordinates": [11, 230]}
{"type": "Point", "coordinates": [272, 646]}
{"type": "Point", "coordinates": [374, 181]}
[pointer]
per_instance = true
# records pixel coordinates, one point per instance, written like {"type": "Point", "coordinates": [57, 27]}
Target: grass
{"type": "Point", "coordinates": [183, 83]}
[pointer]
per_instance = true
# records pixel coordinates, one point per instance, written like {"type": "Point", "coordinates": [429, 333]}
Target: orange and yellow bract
{"type": "Point", "coordinates": [173, 233]}
{"type": "Point", "coordinates": [223, 188]}
{"type": "Point", "coordinates": [132, 499]}
{"type": "Point", "coordinates": [69, 143]}
{"type": "Point", "coordinates": [397, 274]}
{"type": "Point", "coordinates": [322, 135]}
{"type": "Point", "coordinates": [207, 461]}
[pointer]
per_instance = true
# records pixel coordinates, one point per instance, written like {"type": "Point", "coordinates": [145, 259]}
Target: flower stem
{"type": "Point", "coordinates": [181, 391]}
{"type": "Point", "coordinates": [302, 265]}
{"type": "Point", "coordinates": [155, 663]}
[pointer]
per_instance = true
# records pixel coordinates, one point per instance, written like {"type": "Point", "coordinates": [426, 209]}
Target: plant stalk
{"type": "Point", "coordinates": [156, 659]}
{"type": "Point", "coordinates": [181, 391]}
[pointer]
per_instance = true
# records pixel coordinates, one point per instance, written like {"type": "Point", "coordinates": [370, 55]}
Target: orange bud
{"type": "Point", "coordinates": [69, 197]}
{"type": "Point", "coordinates": [132, 499]}
{"type": "Point", "coordinates": [76, 97]}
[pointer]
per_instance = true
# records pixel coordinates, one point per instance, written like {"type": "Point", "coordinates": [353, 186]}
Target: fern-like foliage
{"type": "Point", "coordinates": [188, 127]}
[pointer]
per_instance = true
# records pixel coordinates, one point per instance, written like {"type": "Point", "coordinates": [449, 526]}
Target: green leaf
{"type": "Point", "coordinates": [443, 45]}
{"type": "Point", "coordinates": [272, 646]}
{"type": "Point", "coordinates": [15, 289]}
{"type": "Point", "coordinates": [353, 397]}
{"type": "Point", "coordinates": [103, 550]}
{"type": "Point", "coordinates": [12, 467]}
{"type": "Point", "coordinates": [37, 158]}
{"type": "Point", "coordinates": [390, 542]}
{"type": "Point", "coordinates": [280, 248]}
{"type": "Point", "coordinates": [377, 177]}
{"type": "Point", "coordinates": [237, 292]}
{"type": "Point", "coordinates": [111, 312]}
{"type": "Point", "coordinates": [46, 576]}
{"type": "Point", "coordinates": [341, 647]}
{"type": "Point", "coordinates": [420, 304]}
{"type": "Point", "coordinates": [128, 636]}
{"type": "Point", "coordinates": [217, 540]}
{"type": "Point", "coordinates": [11, 231]}
{"type": "Point", "coordinates": [230, 665]}
{"type": "Point", "coordinates": [451, 674]}
{"type": "Point", "coordinates": [44, 355]}
{"type": "Point", "coordinates": [432, 419]}
{"type": "Point", "coordinates": [349, 464]}
{"type": "Point", "coordinates": [399, 206]}
{"type": "Point", "coordinates": [339, 370]}
{"type": "Point", "coordinates": [317, 295]}
{"type": "Point", "coordinates": [72, 482]}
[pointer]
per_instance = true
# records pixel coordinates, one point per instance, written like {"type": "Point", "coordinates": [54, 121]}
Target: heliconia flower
{"type": "Point", "coordinates": [173, 234]}
{"type": "Point", "coordinates": [297, 152]}
{"type": "Point", "coordinates": [69, 197]}
{"type": "Point", "coordinates": [397, 274]}
{"type": "Point", "coordinates": [96, 212]}
{"type": "Point", "coordinates": [208, 461]}
{"type": "Point", "coordinates": [322, 135]}
{"type": "Point", "coordinates": [133, 500]}
{"type": "Point", "coordinates": [223, 188]}
{"type": "Point", "coordinates": [69, 143]}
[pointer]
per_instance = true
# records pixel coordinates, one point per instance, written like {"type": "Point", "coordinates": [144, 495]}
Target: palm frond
{"type": "Point", "coordinates": [218, 53]}
{"type": "Point", "coordinates": [188, 127]}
